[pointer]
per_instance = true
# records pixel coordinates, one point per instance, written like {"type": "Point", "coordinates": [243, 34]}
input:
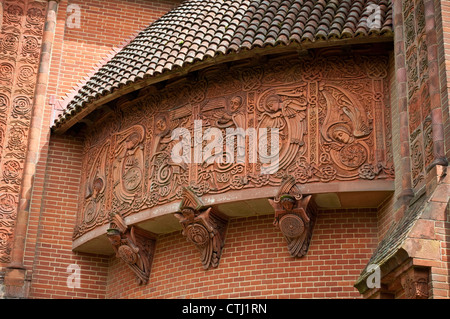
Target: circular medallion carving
{"type": "Point", "coordinates": [127, 254]}
{"type": "Point", "coordinates": [7, 203]}
{"type": "Point", "coordinates": [197, 234]}
{"type": "Point", "coordinates": [4, 102]}
{"type": "Point", "coordinates": [132, 178]}
{"type": "Point", "coordinates": [10, 43]}
{"type": "Point", "coordinates": [21, 105]}
{"type": "Point", "coordinates": [90, 213]}
{"type": "Point", "coordinates": [11, 169]}
{"type": "Point", "coordinates": [14, 14]}
{"type": "Point", "coordinates": [6, 71]}
{"type": "Point", "coordinates": [35, 16]}
{"type": "Point", "coordinates": [25, 74]}
{"type": "Point", "coordinates": [353, 155]}
{"type": "Point", "coordinates": [291, 225]}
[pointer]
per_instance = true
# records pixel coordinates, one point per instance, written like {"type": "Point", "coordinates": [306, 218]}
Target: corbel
{"type": "Point", "coordinates": [134, 246]}
{"type": "Point", "coordinates": [203, 227]}
{"type": "Point", "coordinates": [294, 216]}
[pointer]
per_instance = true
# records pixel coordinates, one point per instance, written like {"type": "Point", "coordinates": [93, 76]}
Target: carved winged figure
{"type": "Point", "coordinates": [284, 109]}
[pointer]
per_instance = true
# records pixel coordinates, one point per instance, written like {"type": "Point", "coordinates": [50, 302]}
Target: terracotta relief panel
{"type": "Point", "coordinates": [20, 44]}
{"type": "Point", "coordinates": [419, 104]}
{"type": "Point", "coordinates": [331, 114]}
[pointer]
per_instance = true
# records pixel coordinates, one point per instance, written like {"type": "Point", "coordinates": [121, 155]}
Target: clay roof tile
{"type": "Point", "coordinates": [198, 29]}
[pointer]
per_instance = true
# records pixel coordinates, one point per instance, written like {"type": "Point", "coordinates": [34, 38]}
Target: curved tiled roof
{"type": "Point", "coordinates": [201, 29]}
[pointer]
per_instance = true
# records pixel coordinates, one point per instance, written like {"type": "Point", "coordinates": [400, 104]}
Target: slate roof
{"type": "Point", "coordinates": [200, 29]}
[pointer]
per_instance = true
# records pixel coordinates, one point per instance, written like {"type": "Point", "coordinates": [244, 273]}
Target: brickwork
{"type": "Point", "coordinates": [75, 52]}
{"type": "Point", "coordinates": [52, 250]}
{"type": "Point", "coordinates": [442, 9]}
{"type": "Point", "coordinates": [256, 264]}
{"type": "Point", "coordinates": [102, 27]}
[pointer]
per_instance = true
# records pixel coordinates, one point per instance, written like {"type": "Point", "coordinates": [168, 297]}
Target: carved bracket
{"type": "Point", "coordinates": [134, 246]}
{"type": "Point", "coordinates": [293, 217]}
{"type": "Point", "coordinates": [203, 227]}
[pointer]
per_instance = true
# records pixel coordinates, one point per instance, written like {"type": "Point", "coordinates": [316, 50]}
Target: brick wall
{"type": "Point", "coordinates": [52, 252]}
{"type": "Point", "coordinates": [103, 25]}
{"type": "Point", "coordinates": [75, 52]}
{"type": "Point", "coordinates": [386, 211]}
{"type": "Point", "coordinates": [442, 9]}
{"type": "Point", "coordinates": [255, 262]}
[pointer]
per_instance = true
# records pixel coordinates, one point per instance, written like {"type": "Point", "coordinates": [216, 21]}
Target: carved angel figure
{"type": "Point", "coordinates": [284, 109]}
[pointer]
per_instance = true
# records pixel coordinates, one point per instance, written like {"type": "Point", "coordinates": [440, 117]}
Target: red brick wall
{"type": "Point", "coordinates": [104, 25]}
{"type": "Point", "coordinates": [52, 252]}
{"type": "Point", "coordinates": [442, 9]}
{"type": "Point", "coordinates": [255, 262]}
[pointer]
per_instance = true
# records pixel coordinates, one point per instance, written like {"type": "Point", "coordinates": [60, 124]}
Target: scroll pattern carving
{"type": "Point", "coordinates": [331, 112]}
{"type": "Point", "coordinates": [293, 217]}
{"type": "Point", "coordinates": [20, 42]}
{"type": "Point", "coordinates": [419, 104]}
{"type": "Point", "coordinates": [204, 228]}
{"type": "Point", "coordinates": [134, 246]}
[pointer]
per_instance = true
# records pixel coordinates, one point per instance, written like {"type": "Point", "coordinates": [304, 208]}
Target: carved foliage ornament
{"type": "Point", "coordinates": [293, 217]}
{"type": "Point", "coordinates": [22, 25]}
{"type": "Point", "coordinates": [202, 227]}
{"type": "Point", "coordinates": [134, 246]}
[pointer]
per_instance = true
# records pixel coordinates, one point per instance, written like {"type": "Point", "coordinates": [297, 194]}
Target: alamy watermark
{"type": "Point", "coordinates": [73, 20]}
{"type": "Point", "coordinates": [74, 279]}
{"type": "Point", "coordinates": [374, 279]}
{"type": "Point", "coordinates": [374, 16]}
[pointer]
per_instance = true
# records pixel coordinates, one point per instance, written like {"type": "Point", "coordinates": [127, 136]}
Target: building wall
{"type": "Point", "coordinates": [256, 264]}
{"type": "Point", "coordinates": [51, 252]}
{"type": "Point", "coordinates": [85, 41]}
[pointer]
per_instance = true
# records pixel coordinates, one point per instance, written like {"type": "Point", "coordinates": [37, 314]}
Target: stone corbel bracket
{"type": "Point", "coordinates": [134, 246]}
{"type": "Point", "coordinates": [203, 227]}
{"type": "Point", "coordinates": [294, 217]}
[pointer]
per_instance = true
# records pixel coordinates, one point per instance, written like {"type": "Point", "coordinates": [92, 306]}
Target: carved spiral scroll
{"type": "Point", "coordinates": [291, 225]}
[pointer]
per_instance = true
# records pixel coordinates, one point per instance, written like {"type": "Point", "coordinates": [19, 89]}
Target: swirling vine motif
{"type": "Point", "coordinates": [20, 46]}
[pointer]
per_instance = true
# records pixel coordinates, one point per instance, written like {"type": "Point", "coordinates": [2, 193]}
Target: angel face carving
{"type": "Point", "coordinates": [235, 103]}
{"type": "Point", "coordinates": [273, 103]}
{"type": "Point", "coordinates": [340, 133]}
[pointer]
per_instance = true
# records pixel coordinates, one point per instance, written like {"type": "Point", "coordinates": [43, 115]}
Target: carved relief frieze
{"type": "Point", "coordinates": [20, 47]}
{"type": "Point", "coordinates": [134, 246]}
{"type": "Point", "coordinates": [331, 113]}
{"type": "Point", "coordinates": [294, 217]}
{"type": "Point", "coordinates": [203, 227]}
{"type": "Point", "coordinates": [419, 102]}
